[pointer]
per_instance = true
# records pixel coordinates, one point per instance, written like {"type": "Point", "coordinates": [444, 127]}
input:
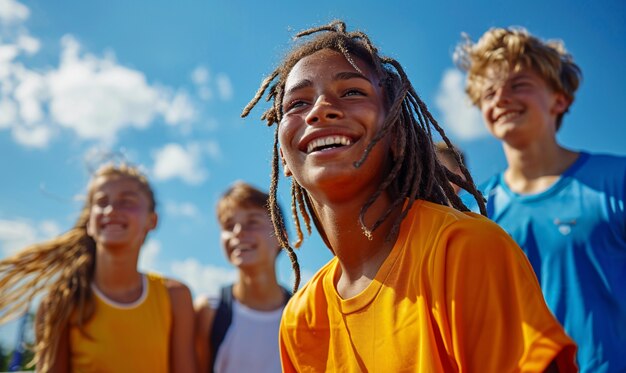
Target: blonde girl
{"type": "Point", "coordinates": [99, 313]}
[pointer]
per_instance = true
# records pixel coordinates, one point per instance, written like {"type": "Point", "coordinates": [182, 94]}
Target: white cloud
{"type": "Point", "coordinates": [184, 209]}
{"type": "Point", "coordinates": [148, 256]}
{"type": "Point", "coordinates": [8, 52]}
{"type": "Point", "coordinates": [179, 110]}
{"type": "Point", "coordinates": [174, 161]}
{"type": "Point", "coordinates": [8, 113]}
{"type": "Point", "coordinates": [205, 280]}
{"type": "Point", "coordinates": [459, 116]}
{"type": "Point", "coordinates": [12, 11]}
{"type": "Point", "coordinates": [201, 78]}
{"type": "Point", "coordinates": [30, 93]}
{"type": "Point", "coordinates": [224, 87]}
{"type": "Point", "coordinates": [17, 234]}
{"type": "Point", "coordinates": [200, 75]}
{"type": "Point", "coordinates": [28, 44]}
{"type": "Point", "coordinates": [97, 97]}
{"type": "Point", "coordinates": [93, 96]}
{"type": "Point", "coordinates": [33, 136]}
{"type": "Point", "coordinates": [213, 150]}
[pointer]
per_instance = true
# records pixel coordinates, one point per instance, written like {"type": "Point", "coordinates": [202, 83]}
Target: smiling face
{"type": "Point", "coordinates": [331, 112]}
{"type": "Point", "coordinates": [519, 107]}
{"type": "Point", "coordinates": [120, 213]}
{"type": "Point", "coordinates": [247, 236]}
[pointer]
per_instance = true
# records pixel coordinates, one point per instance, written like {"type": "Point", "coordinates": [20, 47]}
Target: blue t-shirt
{"type": "Point", "coordinates": [574, 234]}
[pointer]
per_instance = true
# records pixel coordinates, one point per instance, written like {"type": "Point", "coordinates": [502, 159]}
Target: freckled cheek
{"type": "Point", "coordinates": [287, 137]}
{"type": "Point", "coordinates": [94, 213]}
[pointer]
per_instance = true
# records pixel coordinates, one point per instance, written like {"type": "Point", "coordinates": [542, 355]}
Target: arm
{"type": "Point", "coordinates": [205, 315]}
{"type": "Point", "coordinates": [60, 363]}
{"type": "Point", "coordinates": [493, 299]}
{"type": "Point", "coordinates": [182, 358]}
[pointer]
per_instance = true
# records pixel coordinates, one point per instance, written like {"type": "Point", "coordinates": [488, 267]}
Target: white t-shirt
{"type": "Point", "coordinates": [251, 342]}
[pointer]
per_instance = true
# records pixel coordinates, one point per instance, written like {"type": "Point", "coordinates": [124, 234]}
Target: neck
{"type": "Point", "coordinates": [359, 257]}
{"type": "Point", "coordinates": [536, 167]}
{"type": "Point", "coordinates": [116, 275]}
{"type": "Point", "coordinates": [258, 290]}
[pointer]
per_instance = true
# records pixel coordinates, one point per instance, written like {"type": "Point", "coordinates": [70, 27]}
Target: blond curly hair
{"type": "Point", "coordinates": [512, 49]}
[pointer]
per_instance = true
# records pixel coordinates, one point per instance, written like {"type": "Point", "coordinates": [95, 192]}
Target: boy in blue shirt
{"type": "Point", "coordinates": [564, 208]}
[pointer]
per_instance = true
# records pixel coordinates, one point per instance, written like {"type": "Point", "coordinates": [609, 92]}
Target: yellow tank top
{"type": "Point", "coordinates": [125, 337]}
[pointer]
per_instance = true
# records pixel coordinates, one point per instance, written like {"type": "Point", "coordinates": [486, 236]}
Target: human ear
{"type": "Point", "coordinates": [153, 221]}
{"type": "Point", "coordinates": [89, 229]}
{"type": "Point", "coordinates": [286, 169]}
{"type": "Point", "coordinates": [561, 103]}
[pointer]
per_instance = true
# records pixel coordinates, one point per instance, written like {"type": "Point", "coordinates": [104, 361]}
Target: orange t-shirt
{"type": "Point", "coordinates": [455, 294]}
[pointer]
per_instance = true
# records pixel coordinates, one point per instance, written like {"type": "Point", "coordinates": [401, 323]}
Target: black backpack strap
{"type": "Point", "coordinates": [222, 321]}
{"type": "Point", "coordinates": [287, 294]}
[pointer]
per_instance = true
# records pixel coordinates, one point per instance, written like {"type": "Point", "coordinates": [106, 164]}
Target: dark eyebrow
{"type": "Point", "coordinates": [520, 76]}
{"type": "Point", "coordinates": [301, 84]}
{"type": "Point", "coordinates": [345, 75]}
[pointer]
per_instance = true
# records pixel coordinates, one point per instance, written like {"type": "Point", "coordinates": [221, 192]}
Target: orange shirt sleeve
{"type": "Point", "coordinates": [498, 319]}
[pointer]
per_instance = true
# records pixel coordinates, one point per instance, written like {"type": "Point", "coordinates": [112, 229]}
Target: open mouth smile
{"type": "Point", "coordinates": [507, 116]}
{"type": "Point", "coordinates": [327, 143]}
{"type": "Point", "coordinates": [113, 226]}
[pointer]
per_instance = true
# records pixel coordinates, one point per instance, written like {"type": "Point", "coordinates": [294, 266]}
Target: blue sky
{"type": "Point", "coordinates": [164, 82]}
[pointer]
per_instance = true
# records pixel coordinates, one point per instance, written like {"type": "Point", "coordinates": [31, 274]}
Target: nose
{"type": "Point", "coordinates": [108, 209]}
{"type": "Point", "coordinates": [237, 229]}
{"type": "Point", "coordinates": [323, 110]}
{"type": "Point", "coordinates": [502, 96]}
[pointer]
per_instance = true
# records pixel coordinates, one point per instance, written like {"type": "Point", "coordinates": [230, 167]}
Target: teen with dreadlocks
{"type": "Point", "coordinates": [100, 313]}
{"type": "Point", "coordinates": [415, 285]}
{"type": "Point", "coordinates": [565, 208]}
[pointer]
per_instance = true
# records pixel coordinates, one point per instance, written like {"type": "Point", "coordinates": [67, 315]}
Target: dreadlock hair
{"type": "Point", "coordinates": [416, 173]}
{"type": "Point", "coordinates": [63, 269]}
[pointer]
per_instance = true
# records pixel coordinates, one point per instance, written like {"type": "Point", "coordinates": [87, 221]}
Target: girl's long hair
{"type": "Point", "coordinates": [62, 270]}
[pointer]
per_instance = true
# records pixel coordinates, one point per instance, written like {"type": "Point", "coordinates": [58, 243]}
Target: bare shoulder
{"type": "Point", "coordinates": [180, 294]}
{"type": "Point", "coordinates": [203, 303]}
{"type": "Point", "coordinates": [171, 283]}
{"type": "Point", "coordinates": [205, 312]}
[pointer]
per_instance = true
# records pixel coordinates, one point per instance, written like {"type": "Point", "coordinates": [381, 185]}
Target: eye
{"type": "Point", "coordinates": [294, 104]}
{"type": "Point", "coordinates": [520, 85]}
{"type": "Point", "coordinates": [354, 92]}
{"type": "Point", "coordinates": [488, 95]}
{"type": "Point", "coordinates": [254, 223]}
{"type": "Point", "coordinates": [101, 202]}
{"type": "Point", "coordinates": [128, 202]}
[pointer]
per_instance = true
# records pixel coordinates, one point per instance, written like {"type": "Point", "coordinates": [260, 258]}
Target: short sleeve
{"type": "Point", "coordinates": [498, 318]}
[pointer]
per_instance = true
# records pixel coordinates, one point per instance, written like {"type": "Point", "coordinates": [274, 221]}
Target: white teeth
{"type": "Point", "coordinates": [507, 116]}
{"type": "Point", "coordinates": [113, 226]}
{"type": "Point", "coordinates": [327, 141]}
